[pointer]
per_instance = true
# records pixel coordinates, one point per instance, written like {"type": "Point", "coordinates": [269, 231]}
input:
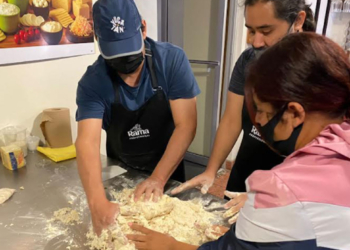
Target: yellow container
{"type": "Point", "coordinates": [12, 157]}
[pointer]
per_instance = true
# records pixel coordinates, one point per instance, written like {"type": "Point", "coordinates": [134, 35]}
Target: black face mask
{"type": "Point", "coordinates": [127, 64]}
{"type": "Point", "coordinates": [285, 147]}
{"type": "Point", "coordinates": [259, 51]}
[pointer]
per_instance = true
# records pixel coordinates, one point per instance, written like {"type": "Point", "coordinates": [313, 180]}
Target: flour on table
{"type": "Point", "coordinates": [67, 216]}
{"type": "Point", "coordinates": [186, 221]}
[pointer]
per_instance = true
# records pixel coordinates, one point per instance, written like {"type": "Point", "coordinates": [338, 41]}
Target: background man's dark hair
{"type": "Point", "coordinates": [288, 10]}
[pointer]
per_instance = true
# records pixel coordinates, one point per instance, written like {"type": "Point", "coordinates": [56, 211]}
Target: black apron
{"type": "Point", "coordinates": [253, 155]}
{"type": "Point", "coordinates": [139, 138]}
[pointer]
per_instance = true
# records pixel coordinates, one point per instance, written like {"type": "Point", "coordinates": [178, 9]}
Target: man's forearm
{"type": "Point", "coordinates": [225, 139]}
{"type": "Point", "coordinates": [183, 246]}
{"type": "Point", "coordinates": [178, 144]}
{"type": "Point", "coordinates": [89, 166]}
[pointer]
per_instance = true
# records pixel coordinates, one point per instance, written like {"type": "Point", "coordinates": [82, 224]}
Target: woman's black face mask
{"type": "Point", "coordinates": [127, 64]}
{"type": "Point", "coordinates": [285, 147]}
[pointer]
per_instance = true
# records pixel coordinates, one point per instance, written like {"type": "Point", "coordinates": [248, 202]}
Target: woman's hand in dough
{"type": "Point", "coordinates": [104, 214]}
{"type": "Point", "coordinates": [150, 240]}
{"type": "Point", "coordinates": [234, 205]}
{"type": "Point", "coordinates": [204, 181]}
{"type": "Point", "coordinates": [216, 232]}
{"type": "Point", "coordinates": [150, 186]}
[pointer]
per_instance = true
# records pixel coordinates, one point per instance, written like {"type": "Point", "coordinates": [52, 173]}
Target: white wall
{"type": "Point", "coordinates": [148, 11]}
{"type": "Point", "coordinates": [27, 89]}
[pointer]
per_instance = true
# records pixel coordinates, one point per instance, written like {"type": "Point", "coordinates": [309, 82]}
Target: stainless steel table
{"type": "Point", "coordinates": [48, 186]}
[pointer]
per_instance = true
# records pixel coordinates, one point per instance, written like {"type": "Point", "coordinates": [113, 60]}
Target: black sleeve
{"type": "Point", "coordinates": [230, 242]}
{"type": "Point", "coordinates": [239, 72]}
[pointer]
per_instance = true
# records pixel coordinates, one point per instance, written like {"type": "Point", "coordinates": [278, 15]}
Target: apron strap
{"type": "Point", "coordinates": [117, 92]}
{"type": "Point", "coordinates": [116, 88]}
{"type": "Point", "coordinates": [154, 80]}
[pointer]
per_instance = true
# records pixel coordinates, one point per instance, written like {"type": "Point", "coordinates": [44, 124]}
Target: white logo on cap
{"type": "Point", "coordinates": [118, 25]}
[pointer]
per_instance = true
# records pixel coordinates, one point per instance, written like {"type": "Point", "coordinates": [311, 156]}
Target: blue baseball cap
{"type": "Point", "coordinates": [117, 25]}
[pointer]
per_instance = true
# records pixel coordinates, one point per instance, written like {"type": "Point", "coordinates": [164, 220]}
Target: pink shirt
{"type": "Point", "coordinates": [306, 197]}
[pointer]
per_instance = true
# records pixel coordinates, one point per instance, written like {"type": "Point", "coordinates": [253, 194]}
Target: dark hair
{"type": "Point", "coordinates": [306, 68]}
{"type": "Point", "coordinates": [288, 10]}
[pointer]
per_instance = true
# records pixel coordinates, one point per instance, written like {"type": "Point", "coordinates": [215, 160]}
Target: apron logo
{"type": "Point", "coordinates": [255, 131]}
{"type": "Point", "coordinates": [137, 132]}
{"type": "Point", "coordinates": [255, 134]}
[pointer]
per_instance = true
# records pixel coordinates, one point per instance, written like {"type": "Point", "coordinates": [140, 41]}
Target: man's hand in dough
{"type": "Point", "coordinates": [234, 205]}
{"type": "Point", "coordinates": [104, 214]}
{"type": "Point", "coordinates": [150, 240]}
{"type": "Point", "coordinates": [204, 181]}
{"type": "Point", "coordinates": [148, 187]}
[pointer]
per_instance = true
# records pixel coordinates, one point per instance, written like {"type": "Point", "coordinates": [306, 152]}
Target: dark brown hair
{"type": "Point", "coordinates": [306, 68]}
{"type": "Point", "coordinates": [288, 10]}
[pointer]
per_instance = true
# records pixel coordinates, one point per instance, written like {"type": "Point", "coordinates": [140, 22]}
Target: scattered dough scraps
{"type": "Point", "coordinates": [186, 221]}
{"type": "Point", "coordinates": [5, 194]}
{"type": "Point", "coordinates": [67, 216]}
{"type": "Point", "coordinates": [114, 239]}
{"type": "Point", "coordinates": [22, 188]}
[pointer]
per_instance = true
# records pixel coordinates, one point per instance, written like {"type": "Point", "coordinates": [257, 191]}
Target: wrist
{"type": "Point", "coordinates": [174, 244]}
{"type": "Point", "coordinates": [158, 178]}
{"type": "Point", "coordinates": [213, 166]}
{"type": "Point", "coordinates": [211, 172]}
{"type": "Point", "coordinates": [97, 201]}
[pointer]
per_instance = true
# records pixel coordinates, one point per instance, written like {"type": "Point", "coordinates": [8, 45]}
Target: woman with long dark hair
{"type": "Point", "coordinates": [298, 95]}
{"type": "Point", "coordinates": [268, 21]}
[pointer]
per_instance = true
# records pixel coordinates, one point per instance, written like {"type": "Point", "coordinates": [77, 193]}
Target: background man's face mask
{"type": "Point", "coordinates": [285, 147]}
{"type": "Point", "coordinates": [127, 64]}
{"type": "Point", "coordinates": [259, 51]}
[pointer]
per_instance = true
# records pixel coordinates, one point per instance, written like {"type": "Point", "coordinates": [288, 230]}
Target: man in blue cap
{"type": "Point", "coordinates": [143, 94]}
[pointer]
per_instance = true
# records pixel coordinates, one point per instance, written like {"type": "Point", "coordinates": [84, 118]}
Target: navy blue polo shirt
{"type": "Point", "coordinates": [95, 93]}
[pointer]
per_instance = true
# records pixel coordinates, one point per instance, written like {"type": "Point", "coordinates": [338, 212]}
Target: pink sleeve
{"type": "Point", "coordinates": [270, 191]}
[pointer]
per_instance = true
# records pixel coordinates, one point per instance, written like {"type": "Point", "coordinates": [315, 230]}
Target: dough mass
{"type": "Point", "coordinates": [186, 221]}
